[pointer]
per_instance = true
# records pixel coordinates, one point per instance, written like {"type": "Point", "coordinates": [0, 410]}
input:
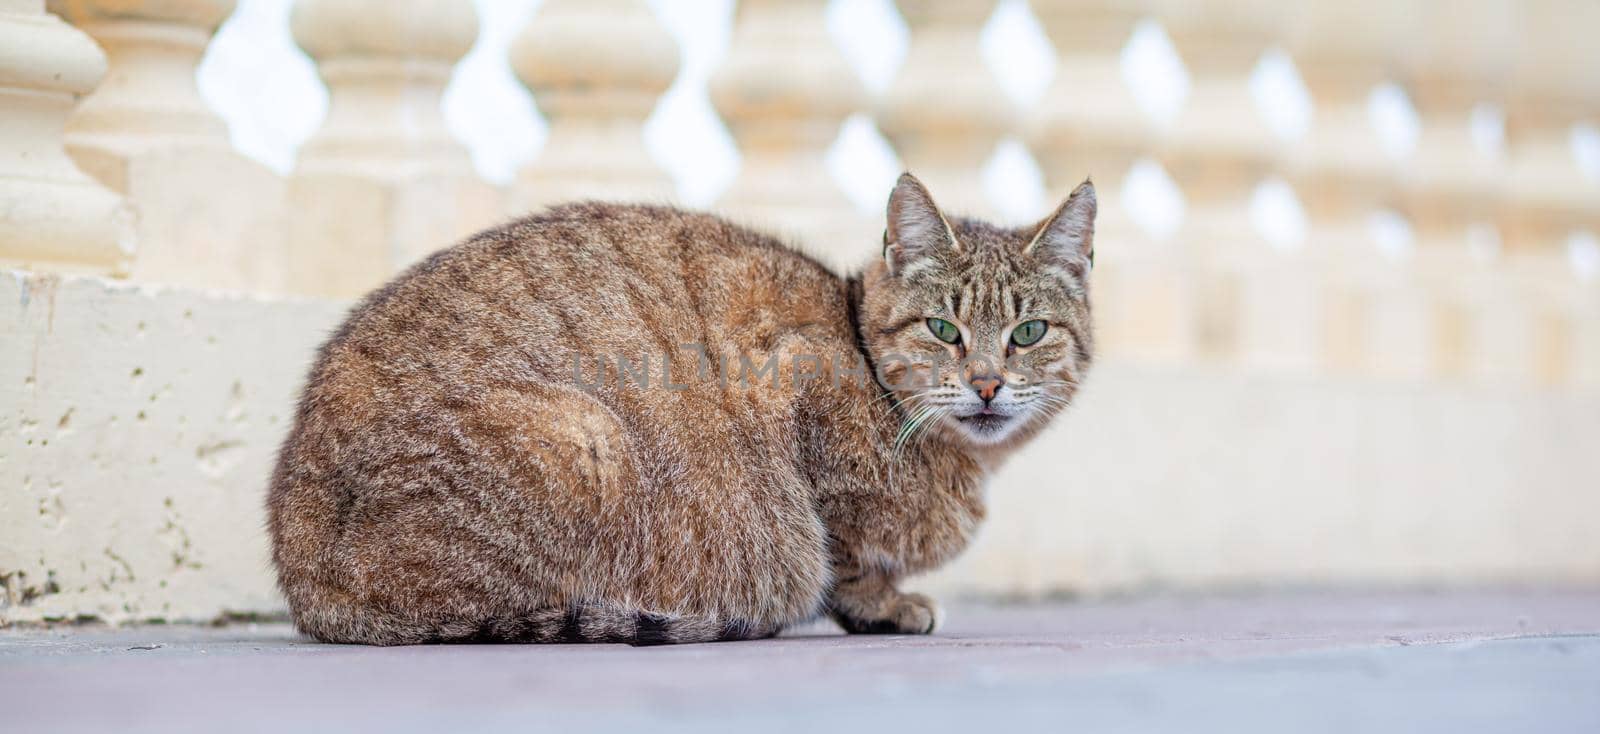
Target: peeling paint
{"type": "Point", "coordinates": [53, 509]}
{"type": "Point", "coordinates": [177, 539]}
{"type": "Point", "coordinates": [18, 592]}
{"type": "Point", "coordinates": [217, 458]}
{"type": "Point", "coordinates": [122, 564]}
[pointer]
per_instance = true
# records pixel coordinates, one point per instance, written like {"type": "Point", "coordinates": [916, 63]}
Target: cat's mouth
{"type": "Point", "coordinates": [984, 422]}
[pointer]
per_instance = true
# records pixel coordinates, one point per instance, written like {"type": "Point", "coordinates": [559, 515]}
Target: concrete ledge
{"type": "Point", "coordinates": [1205, 479]}
{"type": "Point", "coordinates": [138, 425]}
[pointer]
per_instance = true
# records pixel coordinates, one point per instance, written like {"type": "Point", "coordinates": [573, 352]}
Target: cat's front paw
{"type": "Point", "coordinates": [908, 614]}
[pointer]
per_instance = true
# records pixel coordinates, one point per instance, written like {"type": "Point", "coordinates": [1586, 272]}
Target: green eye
{"type": "Point", "coordinates": [1028, 333]}
{"type": "Point", "coordinates": [944, 331]}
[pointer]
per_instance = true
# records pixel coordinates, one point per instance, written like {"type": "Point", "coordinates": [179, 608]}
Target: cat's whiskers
{"type": "Point", "coordinates": [1035, 397]}
{"type": "Point", "coordinates": [917, 415]}
{"type": "Point", "coordinates": [923, 417]}
{"type": "Point", "coordinates": [1053, 404]}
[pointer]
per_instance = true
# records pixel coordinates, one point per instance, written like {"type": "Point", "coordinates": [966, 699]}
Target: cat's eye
{"type": "Point", "coordinates": [944, 331]}
{"type": "Point", "coordinates": [1028, 333]}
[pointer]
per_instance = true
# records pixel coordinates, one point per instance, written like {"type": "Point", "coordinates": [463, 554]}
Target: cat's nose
{"type": "Point", "coordinates": [986, 386]}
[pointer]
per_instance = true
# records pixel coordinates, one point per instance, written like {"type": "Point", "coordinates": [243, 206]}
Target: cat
{"type": "Point", "coordinates": [638, 424]}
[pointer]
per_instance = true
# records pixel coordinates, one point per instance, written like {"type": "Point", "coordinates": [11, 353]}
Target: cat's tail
{"type": "Point", "coordinates": [590, 622]}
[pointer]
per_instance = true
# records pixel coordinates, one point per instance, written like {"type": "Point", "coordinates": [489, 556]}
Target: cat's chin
{"type": "Point", "coordinates": [985, 429]}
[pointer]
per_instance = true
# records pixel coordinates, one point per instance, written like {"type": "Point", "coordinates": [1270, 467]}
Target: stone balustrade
{"type": "Point", "coordinates": [945, 112]}
{"type": "Point", "coordinates": [1249, 301]}
{"type": "Point", "coordinates": [1089, 124]}
{"type": "Point", "coordinates": [1371, 318]}
{"type": "Point", "coordinates": [1449, 185]}
{"type": "Point", "coordinates": [382, 183]}
{"type": "Point", "coordinates": [596, 69]}
{"type": "Point", "coordinates": [785, 116]}
{"type": "Point", "coordinates": [1485, 291]}
{"type": "Point", "coordinates": [1555, 85]}
{"type": "Point", "coordinates": [205, 215]}
{"type": "Point", "coordinates": [52, 215]}
{"type": "Point", "coordinates": [111, 164]}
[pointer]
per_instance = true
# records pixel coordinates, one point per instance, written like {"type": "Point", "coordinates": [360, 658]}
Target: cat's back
{"type": "Point", "coordinates": [589, 279]}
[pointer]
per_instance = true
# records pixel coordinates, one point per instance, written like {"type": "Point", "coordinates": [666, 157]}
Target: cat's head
{"type": "Point", "coordinates": [981, 332]}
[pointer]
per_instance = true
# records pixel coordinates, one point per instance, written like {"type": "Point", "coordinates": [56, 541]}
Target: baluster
{"type": "Point", "coordinates": [596, 69]}
{"type": "Point", "coordinates": [1254, 302]}
{"type": "Point", "coordinates": [944, 112]}
{"type": "Point", "coordinates": [206, 215]}
{"type": "Point", "coordinates": [382, 183]}
{"type": "Point", "coordinates": [1456, 61]}
{"type": "Point", "coordinates": [1375, 319]}
{"type": "Point", "coordinates": [1565, 308]}
{"type": "Point", "coordinates": [1089, 124]}
{"type": "Point", "coordinates": [1556, 83]}
{"type": "Point", "coordinates": [56, 217]}
{"type": "Point", "coordinates": [1561, 313]}
{"type": "Point", "coordinates": [785, 115]}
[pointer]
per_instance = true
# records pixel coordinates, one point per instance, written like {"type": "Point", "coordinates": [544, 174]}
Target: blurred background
{"type": "Point", "coordinates": [1347, 285]}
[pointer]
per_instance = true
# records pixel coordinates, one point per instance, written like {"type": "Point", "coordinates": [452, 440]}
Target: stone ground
{"type": "Point", "coordinates": [1494, 661]}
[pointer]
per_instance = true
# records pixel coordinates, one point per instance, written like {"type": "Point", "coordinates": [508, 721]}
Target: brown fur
{"type": "Point", "coordinates": [449, 478]}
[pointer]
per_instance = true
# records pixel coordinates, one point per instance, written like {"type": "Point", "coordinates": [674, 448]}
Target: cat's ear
{"type": "Point", "coordinates": [917, 231]}
{"type": "Point", "coordinates": [1067, 236]}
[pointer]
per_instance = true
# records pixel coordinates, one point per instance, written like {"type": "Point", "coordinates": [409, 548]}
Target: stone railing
{"type": "Point", "coordinates": [112, 165]}
{"type": "Point", "coordinates": [1490, 291]}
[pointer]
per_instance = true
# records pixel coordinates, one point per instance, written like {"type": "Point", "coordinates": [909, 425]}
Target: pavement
{"type": "Point", "coordinates": [1352, 661]}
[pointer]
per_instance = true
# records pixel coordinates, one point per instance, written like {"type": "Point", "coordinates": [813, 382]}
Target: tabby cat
{"type": "Point", "coordinates": [624, 423]}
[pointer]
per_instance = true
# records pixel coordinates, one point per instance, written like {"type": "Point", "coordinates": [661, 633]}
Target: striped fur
{"type": "Point", "coordinates": [582, 623]}
{"type": "Point", "coordinates": [449, 477]}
